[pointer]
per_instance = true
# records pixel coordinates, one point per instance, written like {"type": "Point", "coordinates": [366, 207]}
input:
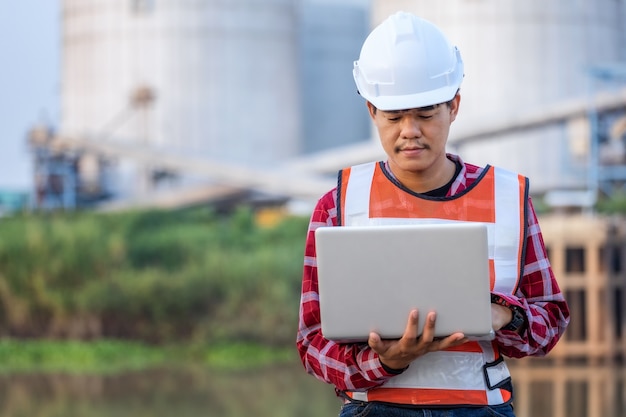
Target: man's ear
{"type": "Point", "coordinates": [454, 106]}
{"type": "Point", "coordinates": [372, 110]}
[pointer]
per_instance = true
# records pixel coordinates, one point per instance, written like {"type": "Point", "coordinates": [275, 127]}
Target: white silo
{"type": "Point", "coordinates": [331, 34]}
{"type": "Point", "coordinates": [521, 57]}
{"type": "Point", "coordinates": [208, 77]}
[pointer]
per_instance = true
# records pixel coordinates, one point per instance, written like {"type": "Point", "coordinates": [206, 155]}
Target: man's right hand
{"type": "Point", "coordinates": [399, 353]}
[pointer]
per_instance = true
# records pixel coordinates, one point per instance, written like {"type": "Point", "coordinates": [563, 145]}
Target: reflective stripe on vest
{"type": "Point", "coordinates": [471, 374]}
{"type": "Point", "coordinates": [452, 377]}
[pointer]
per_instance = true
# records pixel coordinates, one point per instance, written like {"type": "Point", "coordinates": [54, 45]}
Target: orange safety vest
{"type": "Point", "coordinates": [475, 372]}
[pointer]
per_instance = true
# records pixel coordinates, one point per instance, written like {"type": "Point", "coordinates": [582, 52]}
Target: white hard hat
{"type": "Point", "coordinates": [407, 62]}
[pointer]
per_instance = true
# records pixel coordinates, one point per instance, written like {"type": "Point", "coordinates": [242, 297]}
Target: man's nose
{"type": "Point", "coordinates": [411, 127]}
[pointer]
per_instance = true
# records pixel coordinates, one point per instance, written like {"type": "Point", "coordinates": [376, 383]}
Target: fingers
{"type": "Point", "coordinates": [427, 341]}
{"type": "Point", "coordinates": [398, 349]}
{"type": "Point", "coordinates": [428, 335]}
{"type": "Point", "coordinates": [411, 332]}
{"type": "Point", "coordinates": [375, 342]}
{"type": "Point", "coordinates": [455, 339]}
{"type": "Point", "coordinates": [412, 339]}
{"type": "Point", "coordinates": [398, 353]}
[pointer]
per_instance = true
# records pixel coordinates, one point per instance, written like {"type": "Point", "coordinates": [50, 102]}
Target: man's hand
{"type": "Point", "coordinates": [500, 316]}
{"type": "Point", "coordinates": [398, 354]}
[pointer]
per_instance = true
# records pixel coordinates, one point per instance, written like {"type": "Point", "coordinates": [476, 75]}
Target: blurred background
{"type": "Point", "coordinates": [159, 160]}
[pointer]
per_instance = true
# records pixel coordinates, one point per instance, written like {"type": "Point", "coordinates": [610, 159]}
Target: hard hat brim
{"type": "Point", "coordinates": [413, 101]}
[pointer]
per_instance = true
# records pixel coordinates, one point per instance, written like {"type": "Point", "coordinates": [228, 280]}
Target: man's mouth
{"type": "Point", "coordinates": [411, 148]}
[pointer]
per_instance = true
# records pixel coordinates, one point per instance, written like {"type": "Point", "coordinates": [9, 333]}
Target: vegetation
{"type": "Point", "coordinates": [615, 204]}
{"type": "Point", "coordinates": [70, 357]}
{"type": "Point", "coordinates": [104, 357]}
{"type": "Point", "coordinates": [161, 277]}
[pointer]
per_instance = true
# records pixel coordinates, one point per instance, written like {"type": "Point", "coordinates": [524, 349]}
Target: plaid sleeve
{"type": "Point", "coordinates": [540, 297]}
{"type": "Point", "coordinates": [348, 366]}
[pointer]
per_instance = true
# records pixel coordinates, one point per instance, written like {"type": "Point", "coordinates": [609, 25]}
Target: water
{"type": "Point", "coordinates": [285, 391]}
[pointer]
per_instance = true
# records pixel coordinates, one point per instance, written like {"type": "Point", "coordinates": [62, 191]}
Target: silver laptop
{"type": "Point", "coordinates": [371, 277]}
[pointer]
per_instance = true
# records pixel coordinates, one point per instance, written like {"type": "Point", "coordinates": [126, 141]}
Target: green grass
{"type": "Point", "coordinates": [103, 356]}
{"type": "Point", "coordinates": [245, 356]}
{"type": "Point", "coordinates": [112, 356]}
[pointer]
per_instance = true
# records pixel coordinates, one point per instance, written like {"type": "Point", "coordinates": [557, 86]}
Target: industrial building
{"type": "Point", "coordinates": [241, 85]}
{"type": "Point", "coordinates": [152, 90]}
{"type": "Point", "coordinates": [584, 376]}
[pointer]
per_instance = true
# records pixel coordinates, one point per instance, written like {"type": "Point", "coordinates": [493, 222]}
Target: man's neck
{"type": "Point", "coordinates": [423, 182]}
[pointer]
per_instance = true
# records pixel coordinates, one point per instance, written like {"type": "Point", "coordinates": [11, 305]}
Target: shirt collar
{"type": "Point", "coordinates": [459, 184]}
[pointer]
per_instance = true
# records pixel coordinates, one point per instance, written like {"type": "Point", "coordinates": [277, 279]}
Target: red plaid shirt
{"type": "Point", "coordinates": [356, 366]}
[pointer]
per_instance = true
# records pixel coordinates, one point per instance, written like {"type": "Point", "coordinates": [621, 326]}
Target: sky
{"type": "Point", "coordinates": [29, 81]}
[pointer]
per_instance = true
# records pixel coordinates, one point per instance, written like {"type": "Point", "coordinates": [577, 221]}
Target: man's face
{"type": "Point", "coordinates": [415, 139]}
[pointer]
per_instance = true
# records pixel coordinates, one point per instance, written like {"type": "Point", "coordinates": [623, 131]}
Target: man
{"type": "Point", "coordinates": [410, 77]}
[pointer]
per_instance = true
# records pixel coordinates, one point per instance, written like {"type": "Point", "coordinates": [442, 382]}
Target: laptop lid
{"type": "Point", "coordinates": [371, 277]}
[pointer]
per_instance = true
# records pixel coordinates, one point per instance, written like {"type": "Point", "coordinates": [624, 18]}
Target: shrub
{"type": "Point", "coordinates": [159, 276]}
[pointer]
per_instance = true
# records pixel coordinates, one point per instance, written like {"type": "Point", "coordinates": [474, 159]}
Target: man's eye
{"type": "Point", "coordinates": [393, 119]}
{"type": "Point", "coordinates": [426, 117]}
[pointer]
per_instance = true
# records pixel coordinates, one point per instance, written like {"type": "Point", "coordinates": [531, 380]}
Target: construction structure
{"type": "Point", "coordinates": [254, 87]}
{"type": "Point", "coordinates": [234, 84]}
{"type": "Point", "coordinates": [584, 376]}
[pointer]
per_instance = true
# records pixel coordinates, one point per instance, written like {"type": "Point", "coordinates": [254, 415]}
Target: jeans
{"type": "Point", "coordinates": [373, 409]}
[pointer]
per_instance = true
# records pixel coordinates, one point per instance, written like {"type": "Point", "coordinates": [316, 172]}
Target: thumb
{"type": "Point", "coordinates": [375, 342]}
